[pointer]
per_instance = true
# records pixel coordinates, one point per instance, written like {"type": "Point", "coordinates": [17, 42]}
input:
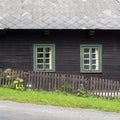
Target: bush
{"type": "Point", "coordinates": [18, 84]}
{"type": "Point", "coordinates": [64, 86]}
{"type": "Point", "coordinates": [81, 91]}
{"type": "Point", "coordinates": [6, 76]}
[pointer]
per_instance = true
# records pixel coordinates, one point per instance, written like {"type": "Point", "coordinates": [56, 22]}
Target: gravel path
{"type": "Point", "coordinates": [22, 111]}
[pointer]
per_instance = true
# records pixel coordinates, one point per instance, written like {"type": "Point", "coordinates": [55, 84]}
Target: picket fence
{"type": "Point", "coordinates": [63, 82]}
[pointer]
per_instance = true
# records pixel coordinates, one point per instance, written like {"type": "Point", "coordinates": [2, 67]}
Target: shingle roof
{"type": "Point", "coordinates": [60, 14]}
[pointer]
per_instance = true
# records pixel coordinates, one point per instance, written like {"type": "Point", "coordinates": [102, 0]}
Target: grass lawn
{"type": "Point", "coordinates": [60, 99]}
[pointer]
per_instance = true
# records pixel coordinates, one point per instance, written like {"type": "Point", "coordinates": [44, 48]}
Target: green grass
{"type": "Point", "coordinates": [60, 99]}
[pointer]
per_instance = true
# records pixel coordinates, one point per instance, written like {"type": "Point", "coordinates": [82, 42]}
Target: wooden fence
{"type": "Point", "coordinates": [63, 82]}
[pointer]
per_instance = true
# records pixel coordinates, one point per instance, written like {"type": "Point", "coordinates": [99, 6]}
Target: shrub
{"type": "Point", "coordinates": [8, 70]}
{"type": "Point", "coordinates": [6, 76]}
{"type": "Point", "coordinates": [64, 86]}
{"type": "Point", "coordinates": [18, 84]}
{"type": "Point", "coordinates": [81, 91]}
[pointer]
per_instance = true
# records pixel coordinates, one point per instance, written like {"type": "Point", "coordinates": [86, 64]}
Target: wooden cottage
{"type": "Point", "coordinates": [62, 36]}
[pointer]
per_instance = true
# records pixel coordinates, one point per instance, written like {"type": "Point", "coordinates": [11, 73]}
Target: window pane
{"type": "Point", "coordinates": [93, 55]}
{"type": "Point", "coordinates": [39, 49]}
{"type": "Point", "coordinates": [47, 61]}
{"type": "Point", "coordinates": [47, 49]}
{"type": "Point", "coordinates": [86, 67]}
{"type": "Point", "coordinates": [40, 67]}
{"type": "Point", "coordinates": [93, 67]}
{"type": "Point", "coordinates": [40, 55]}
{"type": "Point", "coordinates": [93, 61]}
{"type": "Point", "coordinates": [86, 61]}
{"type": "Point", "coordinates": [93, 50]}
{"type": "Point", "coordinates": [86, 50]}
{"type": "Point", "coordinates": [47, 67]}
{"type": "Point", "coordinates": [40, 61]}
{"type": "Point", "coordinates": [47, 55]}
{"type": "Point", "coordinates": [86, 55]}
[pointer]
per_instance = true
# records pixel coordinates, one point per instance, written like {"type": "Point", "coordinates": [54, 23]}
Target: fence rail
{"type": "Point", "coordinates": [63, 82]}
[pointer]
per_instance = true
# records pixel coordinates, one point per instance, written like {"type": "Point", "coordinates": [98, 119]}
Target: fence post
{"type": "Point", "coordinates": [0, 77]}
{"type": "Point", "coordinates": [25, 78]}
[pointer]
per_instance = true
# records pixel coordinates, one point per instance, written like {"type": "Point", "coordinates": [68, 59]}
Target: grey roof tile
{"type": "Point", "coordinates": [60, 14]}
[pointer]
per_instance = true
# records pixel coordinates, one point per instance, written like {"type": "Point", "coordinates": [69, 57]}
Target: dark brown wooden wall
{"type": "Point", "coordinates": [16, 49]}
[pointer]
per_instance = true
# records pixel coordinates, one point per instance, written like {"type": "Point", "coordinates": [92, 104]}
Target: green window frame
{"type": "Point", "coordinates": [44, 57]}
{"type": "Point", "coordinates": [91, 58]}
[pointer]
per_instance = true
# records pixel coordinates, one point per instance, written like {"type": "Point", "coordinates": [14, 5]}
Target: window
{"type": "Point", "coordinates": [44, 57]}
{"type": "Point", "coordinates": [91, 58]}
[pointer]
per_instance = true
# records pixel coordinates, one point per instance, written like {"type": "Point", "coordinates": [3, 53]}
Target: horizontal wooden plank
{"type": "Point", "coordinates": [16, 51]}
